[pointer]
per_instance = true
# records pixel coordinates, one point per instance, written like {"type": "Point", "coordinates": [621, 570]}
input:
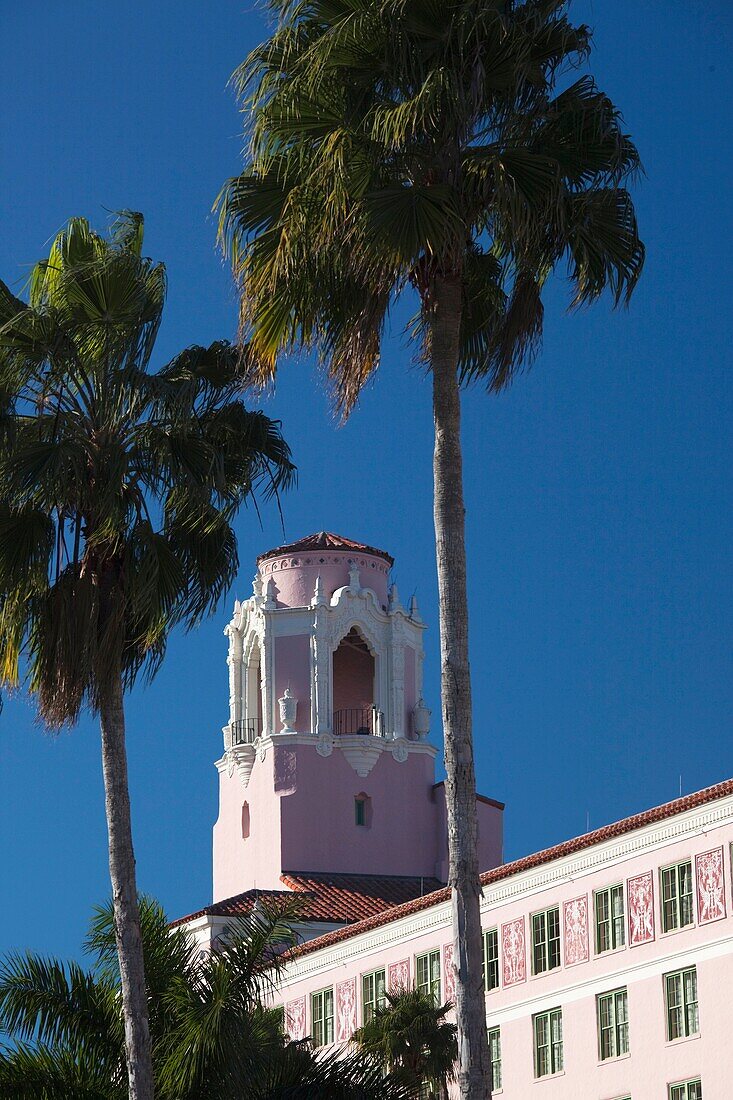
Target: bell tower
{"type": "Point", "coordinates": [326, 764]}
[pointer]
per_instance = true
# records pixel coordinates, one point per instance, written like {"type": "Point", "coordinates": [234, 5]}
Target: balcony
{"type": "Point", "coordinates": [363, 720]}
{"type": "Point", "coordinates": [245, 731]}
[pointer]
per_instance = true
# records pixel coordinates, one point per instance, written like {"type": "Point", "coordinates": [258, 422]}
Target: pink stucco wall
{"type": "Point", "coordinates": [241, 864]}
{"type": "Point", "coordinates": [653, 1062]}
{"type": "Point", "coordinates": [318, 825]}
{"type": "Point", "coordinates": [295, 575]}
{"type": "Point", "coordinates": [292, 669]}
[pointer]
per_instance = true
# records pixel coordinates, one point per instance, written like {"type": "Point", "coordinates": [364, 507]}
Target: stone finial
{"type": "Point", "coordinates": [319, 596]}
{"type": "Point", "coordinates": [394, 599]}
{"type": "Point", "coordinates": [414, 610]}
{"type": "Point", "coordinates": [270, 601]}
{"type": "Point", "coordinates": [257, 584]}
{"type": "Point", "coordinates": [354, 577]}
{"type": "Point", "coordinates": [421, 719]}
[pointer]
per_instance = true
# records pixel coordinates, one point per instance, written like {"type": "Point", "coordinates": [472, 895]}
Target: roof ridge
{"type": "Point", "coordinates": [325, 540]}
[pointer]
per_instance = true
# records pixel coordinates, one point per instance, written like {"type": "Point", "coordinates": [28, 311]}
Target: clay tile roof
{"type": "Point", "coordinates": [325, 540]}
{"type": "Point", "coordinates": [506, 870]}
{"type": "Point", "coordinates": [333, 899]}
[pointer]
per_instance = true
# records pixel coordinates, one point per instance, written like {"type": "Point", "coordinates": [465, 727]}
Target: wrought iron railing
{"type": "Point", "coordinates": [245, 730]}
{"type": "Point", "coordinates": [364, 720]}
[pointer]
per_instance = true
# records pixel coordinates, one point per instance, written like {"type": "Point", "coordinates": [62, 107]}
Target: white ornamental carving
{"type": "Point", "coordinates": [243, 757]}
{"type": "Point", "coordinates": [295, 1018]}
{"type": "Point", "coordinates": [400, 750]}
{"type": "Point", "coordinates": [345, 1010]}
{"type": "Point", "coordinates": [513, 952]}
{"type": "Point", "coordinates": [710, 886]}
{"type": "Point", "coordinates": [575, 914]}
{"type": "Point", "coordinates": [640, 892]}
{"type": "Point", "coordinates": [324, 745]}
{"type": "Point", "coordinates": [361, 751]}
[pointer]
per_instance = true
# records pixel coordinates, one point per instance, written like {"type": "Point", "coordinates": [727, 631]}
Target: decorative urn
{"type": "Point", "coordinates": [288, 709]}
{"type": "Point", "coordinates": [421, 719]}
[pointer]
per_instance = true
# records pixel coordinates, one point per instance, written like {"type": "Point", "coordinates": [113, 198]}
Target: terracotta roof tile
{"type": "Point", "coordinates": [325, 540]}
{"type": "Point", "coordinates": [333, 899]}
{"type": "Point", "coordinates": [568, 847]}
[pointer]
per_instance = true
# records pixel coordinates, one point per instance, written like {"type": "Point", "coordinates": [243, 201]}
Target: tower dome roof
{"type": "Point", "coordinates": [325, 540]}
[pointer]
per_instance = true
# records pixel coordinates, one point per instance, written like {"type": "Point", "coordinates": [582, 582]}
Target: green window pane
{"type": "Point", "coordinates": [491, 959]}
{"type": "Point", "coordinates": [495, 1052]}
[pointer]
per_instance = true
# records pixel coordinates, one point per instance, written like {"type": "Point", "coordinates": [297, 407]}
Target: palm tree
{"type": "Point", "coordinates": [411, 1040]}
{"type": "Point", "coordinates": [118, 490]}
{"type": "Point", "coordinates": [438, 151]}
{"type": "Point", "coordinates": [212, 1034]}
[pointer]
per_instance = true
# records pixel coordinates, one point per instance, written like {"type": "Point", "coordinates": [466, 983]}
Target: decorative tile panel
{"type": "Point", "coordinates": [398, 975]}
{"type": "Point", "coordinates": [449, 974]}
{"type": "Point", "coordinates": [295, 1018]}
{"type": "Point", "coordinates": [345, 1010]}
{"type": "Point", "coordinates": [575, 923]}
{"type": "Point", "coordinates": [640, 894]}
{"type": "Point", "coordinates": [513, 950]}
{"type": "Point", "coordinates": [710, 886]}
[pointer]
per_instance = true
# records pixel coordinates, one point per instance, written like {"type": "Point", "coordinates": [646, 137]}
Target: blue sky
{"type": "Point", "coordinates": [598, 488]}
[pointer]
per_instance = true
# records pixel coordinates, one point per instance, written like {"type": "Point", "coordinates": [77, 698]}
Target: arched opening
{"type": "Point", "coordinates": [252, 720]}
{"type": "Point", "coordinates": [245, 820]}
{"type": "Point", "coordinates": [354, 671]}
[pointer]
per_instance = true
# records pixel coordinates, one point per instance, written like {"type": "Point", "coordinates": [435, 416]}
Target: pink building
{"type": "Point", "coordinates": [607, 959]}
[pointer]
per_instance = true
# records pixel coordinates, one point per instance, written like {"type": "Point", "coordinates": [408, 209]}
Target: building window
{"type": "Point", "coordinates": [548, 1052]}
{"type": "Point", "coordinates": [322, 1017]}
{"type": "Point", "coordinates": [360, 811]}
{"type": "Point", "coordinates": [495, 1052]}
{"type": "Point", "coordinates": [613, 1024]}
{"type": "Point", "coordinates": [491, 959]}
{"type": "Point", "coordinates": [545, 940]}
{"type": "Point", "coordinates": [677, 904]}
{"type": "Point", "coordinates": [683, 1018]}
{"type": "Point", "coordinates": [686, 1090]}
{"type": "Point", "coordinates": [373, 987]}
{"type": "Point", "coordinates": [245, 820]}
{"type": "Point", "coordinates": [610, 932]}
{"type": "Point", "coordinates": [427, 974]}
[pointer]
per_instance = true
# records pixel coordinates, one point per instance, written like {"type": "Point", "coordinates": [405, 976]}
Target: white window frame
{"type": "Point", "coordinates": [686, 1006]}
{"type": "Point", "coordinates": [672, 904]}
{"type": "Point", "coordinates": [555, 1048]}
{"type": "Point", "coordinates": [494, 932]}
{"type": "Point", "coordinates": [543, 915]}
{"type": "Point", "coordinates": [324, 1022]}
{"type": "Point", "coordinates": [674, 1093]}
{"type": "Point", "coordinates": [494, 1034]}
{"type": "Point", "coordinates": [376, 999]}
{"type": "Point", "coordinates": [618, 1027]}
{"type": "Point", "coordinates": [615, 922]}
{"type": "Point", "coordinates": [433, 984]}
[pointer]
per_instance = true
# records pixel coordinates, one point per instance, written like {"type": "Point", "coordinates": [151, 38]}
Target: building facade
{"type": "Point", "coordinates": [607, 959]}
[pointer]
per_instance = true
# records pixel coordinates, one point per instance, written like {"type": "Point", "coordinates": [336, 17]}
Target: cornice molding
{"type": "Point", "coordinates": [522, 885]}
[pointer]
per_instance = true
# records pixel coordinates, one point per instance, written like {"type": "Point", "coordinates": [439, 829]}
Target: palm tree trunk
{"type": "Point", "coordinates": [474, 1065]}
{"type": "Point", "coordinates": [124, 896]}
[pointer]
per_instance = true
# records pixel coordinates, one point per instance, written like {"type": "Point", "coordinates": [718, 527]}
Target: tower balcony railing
{"type": "Point", "coordinates": [245, 731]}
{"type": "Point", "coordinates": [363, 720]}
